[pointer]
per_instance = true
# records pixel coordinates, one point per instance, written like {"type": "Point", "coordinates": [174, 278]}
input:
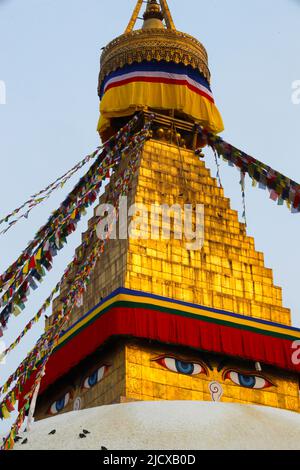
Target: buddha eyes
{"type": "Point", "coordinates": [182, 367]}
{"type": "Point", "coordinates": [173, 364]}
{"type": "Point", "coordinates": [60, 404]}
{"type": "Point", "coordinates": [89, 382]}
{"type": "Point", "coordinates": [95, 377]}
{"type": "Point", "coordinates": [195, 368]}
{"type": "Point", "coordinates": [248, 381]}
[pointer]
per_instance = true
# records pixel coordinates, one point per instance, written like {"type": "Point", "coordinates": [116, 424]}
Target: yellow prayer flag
{"type": "Point", "coordinates": [26, 268]}
{"type": "Point", "coordinates": [5, 412]}
{"type": "Point", "coordinates": [13, 398]}
{"type": "Point", "coordinates": [16, 311]}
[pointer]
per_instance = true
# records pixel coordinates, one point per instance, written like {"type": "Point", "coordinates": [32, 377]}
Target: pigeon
{"type": "Point", "coordinates": [25, 441]}
{"type": "Point", "coordinates": [82, 436]}
{"type": "Point", "coordinates": [52, 432]}
{"type": "Point", "coordinates": [85, 431]}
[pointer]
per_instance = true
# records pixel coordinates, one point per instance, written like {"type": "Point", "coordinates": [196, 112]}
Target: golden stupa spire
{"type": "Point", "coordinates": [163, 53]}
{"type": "Point", "coordinates": [154, 15]}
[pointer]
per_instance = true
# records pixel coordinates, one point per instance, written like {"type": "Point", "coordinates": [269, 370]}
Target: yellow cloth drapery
{"type": "Point", "coordinates": [126, 99]}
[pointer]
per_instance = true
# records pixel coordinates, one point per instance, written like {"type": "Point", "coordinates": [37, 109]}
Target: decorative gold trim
{"type": "Point", "coordinates": [154, 44]}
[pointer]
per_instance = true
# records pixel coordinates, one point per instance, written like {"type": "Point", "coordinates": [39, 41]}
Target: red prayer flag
{"type": "Point", "coordinates": [32, 263]}
{"type": "Point", "coordinates": [9, 405]}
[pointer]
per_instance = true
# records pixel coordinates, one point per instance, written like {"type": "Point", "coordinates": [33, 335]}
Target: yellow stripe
{"type": "Point", "coordinates": [86, 319]}
{"type": "Point", "coordinates": [184, 308]}
{"type": "Point", "coordinates": [214, 315]}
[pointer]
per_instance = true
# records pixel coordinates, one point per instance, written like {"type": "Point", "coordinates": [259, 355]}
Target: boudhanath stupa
{"type": "Point", "coordinates": [170, 346]}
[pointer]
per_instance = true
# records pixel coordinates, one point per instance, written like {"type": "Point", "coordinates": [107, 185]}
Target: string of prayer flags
{"type": "Point", "coordinates": [112, 145]}
{"type": "Point", "coordinates": [282, 189]}
{"type": "Point", "coordinates": [45, 193]}
{"type": "Point", "coordinates": [126, 175]}
{"type": "Point", "coordinates": [37, 198]}
{"type": "Point", "coordinates": [32, 322]}
{"type": "Point", "coordinates": [48, 341]}
{"type": "Point", "coordinates": [37, 259]}
{"type": "Point", "coordinates": [242, 183]}
{"type": "Point", "coordinates": [81, 278]}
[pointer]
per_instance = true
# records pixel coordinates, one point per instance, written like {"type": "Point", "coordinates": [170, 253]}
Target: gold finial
{"type": "Point", "coordinates": [158, 13]}
{"type": "Point", "coordinates": [153, 16]}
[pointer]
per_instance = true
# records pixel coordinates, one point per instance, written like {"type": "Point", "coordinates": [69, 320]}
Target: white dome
{"type": "Point", "coordinates": [168, 425]}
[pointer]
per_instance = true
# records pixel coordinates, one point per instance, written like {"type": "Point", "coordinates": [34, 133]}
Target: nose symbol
{"type": "Point", "coordinates": [216, 391]}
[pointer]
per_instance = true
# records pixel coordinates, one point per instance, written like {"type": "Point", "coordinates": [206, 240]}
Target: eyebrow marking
{"type": "Point", "coordinates": [222, 364]}
{"type": "Point", "coordinates": [207, 362]}
{"type": "Point", "coordinates": [203, 359]}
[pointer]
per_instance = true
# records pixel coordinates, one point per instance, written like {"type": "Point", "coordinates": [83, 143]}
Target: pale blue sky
{"type": "Point", "coordinates": [49, 60]}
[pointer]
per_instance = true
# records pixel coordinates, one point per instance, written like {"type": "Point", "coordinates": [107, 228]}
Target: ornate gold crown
{"type": "Point", "coordinates": [153, 43]}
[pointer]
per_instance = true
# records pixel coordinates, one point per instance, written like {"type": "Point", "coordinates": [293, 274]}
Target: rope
{"type": "Point", "coordinates": [242, 183]}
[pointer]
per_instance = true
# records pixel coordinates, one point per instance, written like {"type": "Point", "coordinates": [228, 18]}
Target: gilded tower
{"type": "Point", "coordinates": [173, 310]}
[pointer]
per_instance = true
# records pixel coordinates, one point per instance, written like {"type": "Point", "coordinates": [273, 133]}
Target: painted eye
{"type": "Point", "coordinates": [181, 367]}
{"type": "Point", "coordinates": [95, 377]}
{"type": "Point", "coordinates": [248, 381]}
{"type": "Point", "coordinates": [60, 404]}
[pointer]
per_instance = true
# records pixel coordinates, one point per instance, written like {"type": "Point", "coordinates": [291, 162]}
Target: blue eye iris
{"type": "Point", "coordinates": [93, 379]}
{"type": "Point", "coordinates": [60, 404]}
{"type": "Point", "coordinates": [184, 367]}
{"type": "Point", "coordinates": [247, 380]}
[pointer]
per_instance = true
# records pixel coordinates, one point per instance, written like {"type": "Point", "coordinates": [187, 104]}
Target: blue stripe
{"type": "Point", "coordinates": [154, 66]}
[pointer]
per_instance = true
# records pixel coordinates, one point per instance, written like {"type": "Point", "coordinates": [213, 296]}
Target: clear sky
{"type": "Point", "coordinates": [49, 61]}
